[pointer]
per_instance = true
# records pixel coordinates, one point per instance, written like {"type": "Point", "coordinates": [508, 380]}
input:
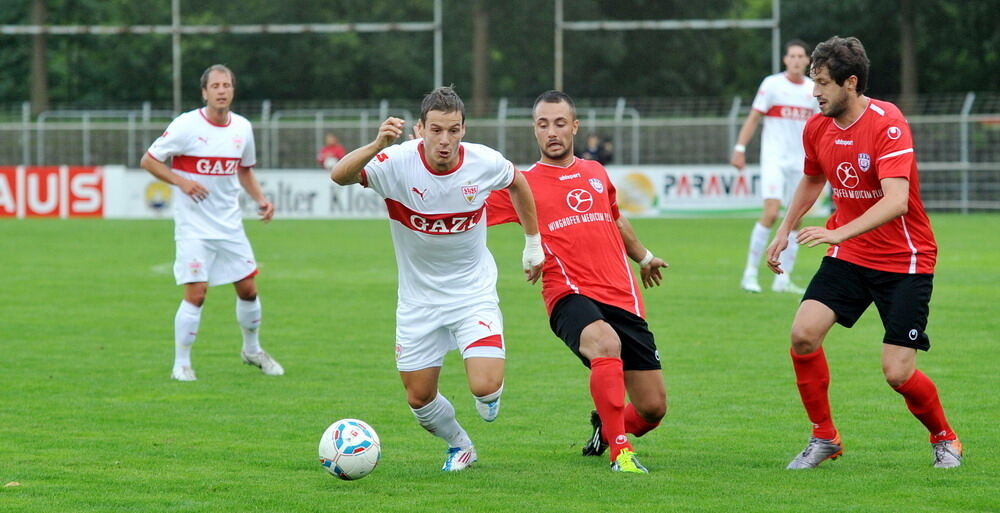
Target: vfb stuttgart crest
{"type": "Point", "coordinates": [470, 191]}
{"type": "Point", "coordinates": [864, 161]}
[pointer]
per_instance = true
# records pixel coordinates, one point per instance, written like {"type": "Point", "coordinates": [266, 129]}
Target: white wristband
{"type": "Point", "coordinates": [646, 259]}
{"type": "Point", "coordinates": [740, 148]}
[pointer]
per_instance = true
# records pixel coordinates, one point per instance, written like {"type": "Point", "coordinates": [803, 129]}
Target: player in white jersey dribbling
{"type": "Point", "coordinates": [435, 188]}
{"type": "Point", "coordinates": [212, 153]}
{"type": "Point", "coordinates": [785, 102]}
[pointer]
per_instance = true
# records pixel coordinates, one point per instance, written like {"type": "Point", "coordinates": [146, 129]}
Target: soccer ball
{"type": "Point", "coordinates": [349, 449]}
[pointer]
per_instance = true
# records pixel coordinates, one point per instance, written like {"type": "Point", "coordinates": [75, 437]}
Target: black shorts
{"type": "Point", "coordinates": [575, 312]}
{"type": "Point", "coordinates": [903, 300]}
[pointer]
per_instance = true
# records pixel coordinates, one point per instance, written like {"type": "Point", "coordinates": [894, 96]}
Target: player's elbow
{"type": "Point", "coordinates": [144, 162]}
{"type": "Point", "coordinates": [340, 177]}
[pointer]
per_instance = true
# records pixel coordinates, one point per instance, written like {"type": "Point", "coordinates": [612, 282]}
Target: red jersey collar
{"type": "Point", "coordinates": [867, 108]}
{"type": "Point", "coordinates": [571, 164]}
{"type": "Point", "coordinates": [229, 118]}
{"type": "Point", "coordinates": [423, 158]}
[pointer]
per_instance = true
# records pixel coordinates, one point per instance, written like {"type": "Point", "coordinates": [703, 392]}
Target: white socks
{"type": "Point", "coordinates": [489, 398]}
{"type": "Point", "coordinates": [185, 330]}
{"type": "Point", "coordinates": [438, 418]}
{"type": "Point", "coordinates": [758, 243]}
{"type": "Point", "coordinates": [787, 257]}
{"type": "Point", "coordinates": [248, 316]}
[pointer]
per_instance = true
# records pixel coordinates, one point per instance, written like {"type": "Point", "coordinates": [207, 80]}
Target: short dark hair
{"type": "Point", "coordinates": [796, 42]}
{"type": "Point", "coordinates": [842, 57]}
{"type": "Point", "coordinates": [443, 99]}
{"type": "Point", "coordinates": [217, 67]}
{"type": "Point", "coordinates": [555, 96]}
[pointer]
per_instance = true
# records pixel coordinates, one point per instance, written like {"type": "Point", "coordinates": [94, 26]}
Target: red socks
{"type": "Point", "coordinates": [635, 424]}
{"type": "Point", "coordinates": [812, 375]}
{"type": "Point", "coordinates": [922, 400]}
{"type": "Point", "coordinates": [607, 387]}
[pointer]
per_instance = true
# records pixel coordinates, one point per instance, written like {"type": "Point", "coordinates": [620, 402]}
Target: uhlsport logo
{"type": "Point", "coordinates": [914, 334]}
{"type": "Point", "coordinates": [847, 175]}
{"type": "Point", "coordinates": [579, 200]}
{"type": "Point", "coordinates": [893, 132]}
{"type": "Point", "coordinates": [864, 161]}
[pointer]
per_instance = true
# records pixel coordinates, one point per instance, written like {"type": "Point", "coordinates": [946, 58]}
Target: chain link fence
{"type": "Point", "coordinates": [957, 136]}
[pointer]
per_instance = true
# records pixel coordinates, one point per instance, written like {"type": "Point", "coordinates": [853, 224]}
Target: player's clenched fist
{"type": "Point", "coordinates": [389, 131]}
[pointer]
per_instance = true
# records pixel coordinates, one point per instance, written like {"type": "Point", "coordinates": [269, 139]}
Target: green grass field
{"type": "Point", "coordinates": [89, 420]}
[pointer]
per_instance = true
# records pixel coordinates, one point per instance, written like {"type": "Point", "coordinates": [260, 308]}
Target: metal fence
{"type": "Point", "coordinates": [957, 136]}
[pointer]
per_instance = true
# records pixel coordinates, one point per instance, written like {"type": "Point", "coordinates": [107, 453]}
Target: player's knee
{"type": "Point", "coordinates": [653, 413]}
{"type": "Point", "coordinates": [418, 398]}
{"type": "Point", "coordinates": [804, 340]}
{"type": "Point", "coordinates": [483, 391]}
{"type": "Point", "coordinates": [246, 290]}
{"type": "Point", "coordinates": [895, 376]}
{"type": "Point", "coordinates": [196, 298]}
{"type": "Point", "coordinates": [485, 386]}
{"type": "Point", "coordinates": [599, 340]}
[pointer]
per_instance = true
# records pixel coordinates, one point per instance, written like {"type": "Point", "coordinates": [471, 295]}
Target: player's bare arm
{"type": "Point", "coordinates": [805, 196]}
{"type": "Point", "coordinates": [348, 169]}
{"type": "Point", "coordinates": [649, 265]}
{"type": "Point", "coordinates": [524, 204]}
{"type": "Point", "coordinates": [893, 204]}
{"type": "Point", "coordinates": [195, 190]}
{"type": "Point", "coordinates": [739, 158]}
{"type": "Point", "coordinates": [250, 184]}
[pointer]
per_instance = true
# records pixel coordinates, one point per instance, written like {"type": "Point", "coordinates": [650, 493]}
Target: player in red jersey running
{"type": "Point", "coordinates": [590, 293]}
{"type": "Point", "coordinates": [882, 249]}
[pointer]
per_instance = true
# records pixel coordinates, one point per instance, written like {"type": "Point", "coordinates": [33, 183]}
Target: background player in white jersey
{"type": "Point", "coordinates": [785, 102]}
{"type": "Point", "coordinates": [435, 189]}
{"type": "Point", "coordinates": [212, 152]}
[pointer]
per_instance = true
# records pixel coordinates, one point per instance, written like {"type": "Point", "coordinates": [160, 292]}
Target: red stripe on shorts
{"type": "Point", "coordinates": [490, 341]}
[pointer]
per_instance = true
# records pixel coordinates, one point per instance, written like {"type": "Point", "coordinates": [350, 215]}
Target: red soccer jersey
{"type": "Point", "coordinates": [854, 159]}
{"type": "Point", "coordinates": [584, 252]}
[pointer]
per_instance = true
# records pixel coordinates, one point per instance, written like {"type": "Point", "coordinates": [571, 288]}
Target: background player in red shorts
{"type": "Point", "coordinates": [590, 293]}
{"type": "Point", "coordinates": [882, 249]}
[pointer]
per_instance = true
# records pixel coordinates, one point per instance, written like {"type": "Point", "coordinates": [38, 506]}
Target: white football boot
{"type": "Point", "coordinates": [459, 459]}
{"type": "Point", "coordinates": [749, 283]}
{"type": "Point", "coordinates": [782, 283]}
{"type": "Point", "coordinates": [269, 366]}
{"type": "Point", "coordinates": [183, 373]}
{"type": "Point", "coordinates": [947, 454]}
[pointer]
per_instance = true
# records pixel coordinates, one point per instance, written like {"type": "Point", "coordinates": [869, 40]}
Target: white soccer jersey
{"type": "Point", "coordinates": [786, 106]}
{"type": "Point", "coordinates": [209, 154]}
{"type": "Point", "coordinates": [438, 220]}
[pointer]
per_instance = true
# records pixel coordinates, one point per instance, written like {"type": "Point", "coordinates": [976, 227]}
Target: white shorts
{"type": "Point", "coordinates": [779, 181]}
{"type": "Point", "coordinates": [424, 334]}
{"type": "Point", "coordinates": [215, 261]}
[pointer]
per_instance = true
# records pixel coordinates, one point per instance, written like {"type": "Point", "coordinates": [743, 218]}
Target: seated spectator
{"type": "Point", "coordinates": [331, 153]}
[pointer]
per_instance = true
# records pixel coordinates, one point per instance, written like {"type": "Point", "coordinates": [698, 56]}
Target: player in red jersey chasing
{"type": "Point", "coordinates": [592, 298]}
{"type": "Point", "coordinates": [882, 248]}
